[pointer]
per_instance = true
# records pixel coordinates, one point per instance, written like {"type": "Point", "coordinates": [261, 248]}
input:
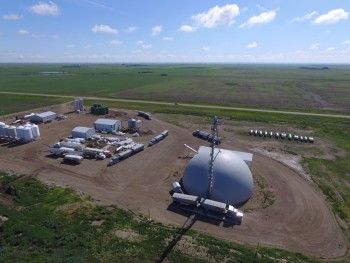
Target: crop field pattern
{"type": "Point", "coordinates": [272, 86]}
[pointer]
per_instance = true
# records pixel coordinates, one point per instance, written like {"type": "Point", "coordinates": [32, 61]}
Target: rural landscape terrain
{"type": "Point", "coordinates": [300, 208]}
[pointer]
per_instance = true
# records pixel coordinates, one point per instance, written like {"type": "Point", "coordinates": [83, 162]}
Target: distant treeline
{"type": "Point", "coordinates": [316, 68]}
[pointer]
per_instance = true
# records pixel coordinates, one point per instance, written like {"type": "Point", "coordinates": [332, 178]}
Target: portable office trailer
{"type": "Point", "coordinates": [83, 132]}
{"type": "Point", "coordinates": [43, 117]}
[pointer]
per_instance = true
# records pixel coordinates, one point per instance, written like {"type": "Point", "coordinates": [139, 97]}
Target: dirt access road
{"type": "Point", "coordinates": [186, 105]}
{"type": "Point", "coordinates": [299, 219]}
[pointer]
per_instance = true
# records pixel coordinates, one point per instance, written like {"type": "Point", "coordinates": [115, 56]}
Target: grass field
{"type": "Point", "coordinates": [272, 86]}
{"type": "Point", "coordinates": [52, 224]}
{"type": "Point", "coordinates": [14, 103]}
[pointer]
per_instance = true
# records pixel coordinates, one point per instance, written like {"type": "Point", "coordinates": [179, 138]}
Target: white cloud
{"type": "Point", "coordinates": [187, 28]}
{"type": "Point", "coordinates": [263, 18]}
{"type": "Point", "coordinates": [70, 46]}
{"type": "Point", "coordinates": [315, 46]}
{"type": "Point", "coordinates": [143, 44]}
{"type": "Point", "coordinates": [205, 49]}
{"type": "Point", "coordinates": [104, 29]}
{"type": "Point", "coordinates": [217, 16]}
{"type": "Point", "coordinates": [45, 9]}
{"type": "Point", "coordinates": [23, 32]}
{"type": "Point", "coordinates": [252, 45]}
{"type": "Point", "coordinates": [12, 17]}
{"type": "Point", "coordinates": [332, 17]}
{"type": "Point", "coordinates": [116, 42]}
{"type": "Point", "coordinates": [167, 38]}
{"type": "Point", "coordinates": [156, 30]}
{"type": "Point", "coordinates": [130, 29]}
{"type": "Point", "coordinates": [330, 49]}
{"type": "Point", "coordinates": [346, 42]}
{"type": "Point", "coordinates": [305, 17]}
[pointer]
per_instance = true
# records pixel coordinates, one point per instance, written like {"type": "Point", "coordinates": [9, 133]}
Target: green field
{"type": "Point", "coordinates": [51, 224]}
{"type": "Point", "coordinates": [268, 86]}
{"type": "Point", "coordinates": [247, 86]}
{"type": "Point", "coordinates": [14, 103]}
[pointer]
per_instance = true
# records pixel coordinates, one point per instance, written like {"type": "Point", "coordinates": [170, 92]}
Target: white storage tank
{"type": "Point", "coordinates": [19, 130]}
{"type": "Point", "coordinates": [11, 132]}
{"type": "Point", "coordinates": [138, 124]}
{"type": "Point", "coordinates": [27, 134]}
{"type": "Point", "coordinates": [1, 126]}
{"type": "Point", "coordinates": [4, 130]}
{"type": "Point", "coordinates": [35, 131]}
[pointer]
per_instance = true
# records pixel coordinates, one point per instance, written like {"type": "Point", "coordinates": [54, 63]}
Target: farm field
{"type": "Point", "coordinates": [309, 228]}
{"type": "Point", "coordinates": [269, 86]}
{"type": "Point", "coordinates": [313, 179]}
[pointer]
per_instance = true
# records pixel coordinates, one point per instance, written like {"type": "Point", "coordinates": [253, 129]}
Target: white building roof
{"type": "Point", "coordinates": [45, 114]}
{"type": "Point", "coordinates": [106, 121]}
{"type": "Point", "coordinates": [81, 129]}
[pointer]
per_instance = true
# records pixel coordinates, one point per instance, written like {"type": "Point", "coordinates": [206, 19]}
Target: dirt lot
{"type": "Point", "coordinates": [286, 210]}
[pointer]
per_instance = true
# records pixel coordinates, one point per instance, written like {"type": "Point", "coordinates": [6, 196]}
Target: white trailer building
{"type": "Point", "coordinates": [83, 132]}
{"type": "Point", "coordinates": [107, 124]}
{"type": "Point", "coordinates": [43, 117]}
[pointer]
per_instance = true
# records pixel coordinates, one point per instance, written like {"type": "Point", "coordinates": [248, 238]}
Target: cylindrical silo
{"type": "Point", "coordinates": [19, 130]}
{"type": "Point", "coordinates": [1, 131]}
{"type": "Point", "coordinates": [138, 124]}
{"type": "Point", "coordinates": [4, 130]}
{"type": "Point", "coordinates": [131, 123]}
{"type": "Point", "coordinates": [11, 132]}
{"type": "Point", "coordinates": [35, 131]}
{"type": "Point", "coordinates": [27, 134]}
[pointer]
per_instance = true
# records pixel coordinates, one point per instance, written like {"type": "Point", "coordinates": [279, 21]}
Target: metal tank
{"type": "Point", "coordinates": [131, 123]}
{"type": "Point", "coordinates": [35, 131]}
{"type": "Point", "coordinates": [11, 132]}
{"type": "Point", "coordinates": [27, 134]}
{"type": "Point", "coordinates": [233, 180]}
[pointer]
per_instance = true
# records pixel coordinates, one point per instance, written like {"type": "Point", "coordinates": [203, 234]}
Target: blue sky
{"type": "Point", "coordinates": [115, 31]}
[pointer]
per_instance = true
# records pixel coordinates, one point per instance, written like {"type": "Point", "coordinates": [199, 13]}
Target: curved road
{"type": "Point", "coordinates": [183, 105]}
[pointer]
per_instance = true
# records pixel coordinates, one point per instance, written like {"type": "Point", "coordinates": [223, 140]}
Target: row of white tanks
{"type": "Point", "coordinates": [27, 132]}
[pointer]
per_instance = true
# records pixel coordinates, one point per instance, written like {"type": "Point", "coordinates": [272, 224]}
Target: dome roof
{"type": "Point", "coordinates": [233, 181]}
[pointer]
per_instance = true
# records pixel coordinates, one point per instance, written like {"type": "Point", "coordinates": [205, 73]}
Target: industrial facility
{"type": "Point", "coordinates": [83, 132]}
{"type": "Point", "coordinates": [43, 117]}
{"type": "Point", "coordinates": [23, 133]}
{"type": "Point", "coordinates": [107, 125]}
{"type": "Point", "coordinates": [215, 180]}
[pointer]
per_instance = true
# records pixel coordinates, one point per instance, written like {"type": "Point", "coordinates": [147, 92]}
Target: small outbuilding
{"type": "Point", "coordinates": [107, 125]}
{"type": "Point", "coordinates": [43, 117]}
{"type": "Point", "coordinates": [83, 132]}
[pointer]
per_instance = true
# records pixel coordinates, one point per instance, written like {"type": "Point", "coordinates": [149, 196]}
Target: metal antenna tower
{"type": "Point", "coordinates": [214, 133]}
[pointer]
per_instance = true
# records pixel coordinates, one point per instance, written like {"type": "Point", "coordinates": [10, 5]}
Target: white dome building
{"type": "Point", "coordinates": [233, 181]}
